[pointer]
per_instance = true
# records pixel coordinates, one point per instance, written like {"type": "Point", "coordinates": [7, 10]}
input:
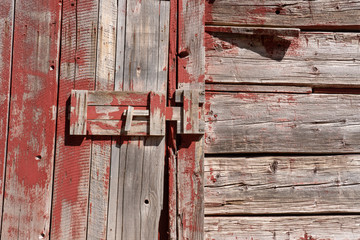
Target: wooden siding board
{"type": "Point", "coordinates": [138, 69]}
{"type": "Point", "coordinates": [6, 44]}
{"type": "Point", "coordinates": [30, 156]}
{"type": "Point", "coordinates": [73, 154]}
{"type": "Point", "coordinates": [282, 123]}
{"type": "Point", "coordinates": [101, 148]}
{"type": "Point", "coordinates": [313, 59]}
{"type": "Point", "coordinates": [191, 67]}
{"type": "Point", "coordinates": [282, 185]}
{"type": "Point", "coordinates": [322, 14]}
{"type": "Point", "coordinates": [299, 227]}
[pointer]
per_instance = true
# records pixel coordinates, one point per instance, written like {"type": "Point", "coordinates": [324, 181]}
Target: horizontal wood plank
{"type": "Point", "coordinates": [283, 228]}
{"type": "Point", "coordinates": [256, 88]}
{"type": "Point", "coordinates": [313, 59]}
{"type": "Point", "coordinates": [320, 14]}
{"type": "Point", "coordinates": [282, 123]}
{"type": "Point", "coordinates": [117, 98]}
{"type": "Point", "coordinates": [282, 185]}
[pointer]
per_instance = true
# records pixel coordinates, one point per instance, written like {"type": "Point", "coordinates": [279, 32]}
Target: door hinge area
{"type": "Point", "coordinates": [112, 113]}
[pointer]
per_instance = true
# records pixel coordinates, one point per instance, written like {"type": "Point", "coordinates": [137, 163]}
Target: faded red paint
{"type": "Point", "coordinates": [71, 179]}
{"type": "Point", "coordinates": [34, 88]}
{"type": "Point", "coordinates": [212, 177]}
{"type": "Point", "coordinates": [132, 99]}
{"type": "Point", "coordinates": [190, 159]}
{"type": "Point", "coordinates": [209, 11]}
{"type": "Point", "coordinates": [309, 237]}
{"type": "Point", "coordinates": [5, 74]}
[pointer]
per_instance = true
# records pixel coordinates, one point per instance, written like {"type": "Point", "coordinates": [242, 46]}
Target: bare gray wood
{"type": "Point", "coordinates": [313, 59]}
{"type": "Point", "coordinates": [257, 88]}
{"type": "Point", "coordinates": [78, 119]}
{"type": "Point", "coordinates": [101, 149]}
{"type": "Point", "coordinates": [282, 185]}
{"type": "Point", "coordinates": [137, 185]}
{"type": "Point", "coordinates": [321, 14]}
{"type": "Point", "coordinates": [283, 228]}
{"type": "Point", "coordinates": [271, 31]}
{"type": "Point", "coordinates": [282, 123]}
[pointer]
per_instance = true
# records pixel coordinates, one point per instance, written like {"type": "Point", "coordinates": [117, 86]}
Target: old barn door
{"type": "Point", "coordinates": [116, 183]}
{"type": "Point", "coordinates": [282, 117]}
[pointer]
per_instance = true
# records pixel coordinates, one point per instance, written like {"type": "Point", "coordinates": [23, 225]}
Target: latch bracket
{"type": "Point", "coordinates": [116, 113]}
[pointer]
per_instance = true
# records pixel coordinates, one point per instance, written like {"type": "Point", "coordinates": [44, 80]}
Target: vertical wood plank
{"type": "Point", "coordinates": [115, 203]}
{"type": "Point", "coordinates": [72, 163]}
{"type": "Point", "coordinates": [171, 130]}
{"type": "Point", "coordinates": [191, 64]}
{"type": "Point", "coordinates": [6, 42]}
{"type": "Point", "coordinates": [30, 156]}
{"type": "Point", "coordinates": [101, 149]}
{"type": "Point", "coordinates": [78, 112]}
{"type": "Point", "coordinates": [139, 186]}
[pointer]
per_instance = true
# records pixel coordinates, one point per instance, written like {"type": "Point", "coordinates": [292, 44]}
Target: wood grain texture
{"type": "Point", "coordinates": [101, 148]}
{"type": "Point", "coordinates": [32, 121]}
{"type": "Point", "coordinates": [313, 59]}
{"type": "Point", "coordinates": [6, 41]}
{"type": "Point", "coordinates": [322, 14]}
{"type": "Point", "coordinates": [137, 169]}
{"type": "Point", "coordinates": [282, 123]}
{"type": "Point", "coordinates": [282, 185]}
{"type": "Point", "coordinates": [283, 228]}
{"type": "Point", "coordinates": [73, 153]}
{"type": "Point", "coordinates": [191, 69]}
{"type": "Point", "coordinates": [256, 88]}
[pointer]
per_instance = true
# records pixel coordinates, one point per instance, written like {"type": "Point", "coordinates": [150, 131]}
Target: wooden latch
{"type": "Point", "coordinates": [134, 113]}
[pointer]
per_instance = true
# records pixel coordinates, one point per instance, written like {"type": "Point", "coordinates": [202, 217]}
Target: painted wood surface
{"type": "Point", "coordinates": [322, 14]}
{"type": "Point", "coordinates": [32, 120]}
{"type": "Point", "coordinates": [313, 59]}
{"type": "Point", "coordinates": [73, 154]}
{"type": "Point", "coordinates": [283, 228]}
{"type": "Point", "coordinates": [137, 164]}
{"type": "Point", "coordinates": [282, 123]}
{"type": "Point", "coordinates": [191, 69]}
{"type": "Point", "coordinates": [282, 185]}
{"type": "Point", "coordinates": [6, 41]}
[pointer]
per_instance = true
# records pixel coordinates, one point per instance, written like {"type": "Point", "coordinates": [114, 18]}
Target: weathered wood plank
{"type": "Point", "coordinates": [73, 155]}
{"type": "Point", "coordinates": [32, 121]}
{"type": "Point", "coordinates": [282, 185]}
{"type": "Point", "coordinates": [296, 123]}
{"type": "Point", "coordinates": [101, 148]}
{"type": "Point", "coordinates": [6, 41]}
{"type": "Point", "coordinates": [313, 59]}
{"type": "Point", "coordinates": [139, 127]}
{"type": "Point", "coordinates": [256, 88]}
{"type": "Point", "coordinates": [191, 69]}
{"type": "Point", "coordinates": [137, 187]}
{"type": "Point", "coordinates": [268, 31]}
{"type": "Point", "coordinates": [322, 14]}
{"type": "Point", "coordinates": [283, 228]}
{"type": "Point", "coordinates": [78, 111]}
{"type": "Point", "coordinates": [113, 208]}
{"type": "Point", "coordinates": [118, 98]}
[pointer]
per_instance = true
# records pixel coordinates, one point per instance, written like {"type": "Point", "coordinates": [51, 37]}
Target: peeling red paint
{"type": "Point", "coordinates": [309, 237]}
{"type": "Point", "coordinates": [33, 96]}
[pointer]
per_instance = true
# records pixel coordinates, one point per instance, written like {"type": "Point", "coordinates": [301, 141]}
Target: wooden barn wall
{"type": "Point", "coordinates": [282, 119]}
{"type": "Point", "coordinates": [54, 185]}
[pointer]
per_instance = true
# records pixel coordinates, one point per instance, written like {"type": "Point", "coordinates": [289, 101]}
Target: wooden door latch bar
{"type": "Point", "coordinates": [134, 113]}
